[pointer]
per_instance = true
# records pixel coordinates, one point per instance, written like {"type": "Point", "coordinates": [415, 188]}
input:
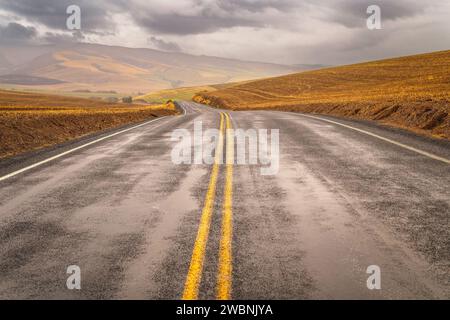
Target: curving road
{"type": "Point", "coordinates": [348, 195]}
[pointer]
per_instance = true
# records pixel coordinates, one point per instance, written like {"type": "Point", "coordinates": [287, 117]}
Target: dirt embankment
{"type": "Point", "coordinates": [410, 92]}
{"type": "Point", "coordinates": [32, 121]}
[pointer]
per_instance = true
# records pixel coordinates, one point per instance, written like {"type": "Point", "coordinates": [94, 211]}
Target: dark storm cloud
{"type": "Point", "coordinates": [164, 45]}
{"type": "Point", "coordinates": [59, 38]}
{"type": "Point", "coordinates": [52, 13]}
{"type": "Point", "coordinates": [206, 16]}
{"type": "Point", "coordinates": [15, 32]}
{"type": "Point", "coordinates": [210, 16]}
{"type": "Point", "coordinates": [195, 24]}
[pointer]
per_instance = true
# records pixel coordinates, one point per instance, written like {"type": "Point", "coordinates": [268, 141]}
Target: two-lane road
{"type": "Point", "coordinates": [347, 195]}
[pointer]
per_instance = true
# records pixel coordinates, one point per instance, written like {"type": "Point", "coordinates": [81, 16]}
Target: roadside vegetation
{"type": "Point", "coordinates": [173, 94]}
{"type": "Point", "coordinates": [184, 93]}
{"type": "Point", "coordinates": [409, 92]}
{"type": "Point", "coordinates": [30, 121]}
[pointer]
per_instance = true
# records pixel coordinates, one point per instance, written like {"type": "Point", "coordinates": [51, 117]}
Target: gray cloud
{"type": "Point", "coordinates": [283, 31]}
{"type": "Point", "coordinates": [201, 17]}
{"type": "Point", "coordinates": [211, 16]}
{"type": "Point", "coordinates": [164, 45]}
{"type": "Point", "coordinates": [17, 33]}
{"type": "Point", "coordinates": [185, 25]}
{"type": "Point", "coordinates": [60, 38]}
{"type": "Point", "coordinates": [52, 13]}
{"type": "Point", "coordinates": [258, 6]}
{"type": "Point", "coordinates": [208, 16]}
{"type": "Point", "coordinates": [353, 13]}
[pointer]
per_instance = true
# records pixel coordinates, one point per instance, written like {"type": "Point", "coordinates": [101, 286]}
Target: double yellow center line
{"type": "Point", "coordinates": [224, 276]}
{"type": "Point", "coordinates": [225, 254]}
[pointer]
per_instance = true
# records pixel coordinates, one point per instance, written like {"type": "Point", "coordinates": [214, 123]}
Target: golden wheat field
{"type": "Point", "coordinates": [30, 121]}
{"type": "Point", "coordinates": [410, 92]}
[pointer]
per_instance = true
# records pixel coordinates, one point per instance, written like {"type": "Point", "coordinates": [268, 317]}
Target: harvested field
{"type": "Point", "coordinates": [30, 121]}
{"type": "Point", "coordinates": [409, 92]}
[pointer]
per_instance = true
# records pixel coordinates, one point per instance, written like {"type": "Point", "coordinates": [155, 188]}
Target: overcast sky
{"type": "Point", "coordinates": [279, 31]}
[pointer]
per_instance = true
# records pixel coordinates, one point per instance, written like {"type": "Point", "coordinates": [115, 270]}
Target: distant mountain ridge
{"type": "Point", "coordinates": [307, 67]}
{"type": "Point", "coordinates": [99, 67]}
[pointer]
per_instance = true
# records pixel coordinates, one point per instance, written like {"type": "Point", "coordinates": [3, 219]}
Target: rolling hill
{"type": "Point", "coordinates": [183, 93]}
{"type": "Point", "coordinates": [126, 70]}
{"type": "Point", "coordinates": [410, 92]}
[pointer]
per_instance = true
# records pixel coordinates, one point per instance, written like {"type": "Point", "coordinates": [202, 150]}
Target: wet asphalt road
{"type": "Point", "coordinates": [128, 217]}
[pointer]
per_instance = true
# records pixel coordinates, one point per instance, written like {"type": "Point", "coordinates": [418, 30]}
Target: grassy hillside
{"type": "Point", "coordinates": [410, 92]}
{"type": "Point", "coordinates": [124, 70]}
{"type": "Point", "coordinates": [30, 121]}
{"type": "Point", "coordinates": [173, 94]}
{"type": "Point", "coordinates": [179, 94]}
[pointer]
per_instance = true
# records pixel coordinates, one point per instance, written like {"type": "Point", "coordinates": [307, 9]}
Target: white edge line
{"type": "Point", "coordinates": [74, 149]}
{"type": "Point", "coordinates": [184, 110]}
{"type": "Point", "coordinates": [424, 153]}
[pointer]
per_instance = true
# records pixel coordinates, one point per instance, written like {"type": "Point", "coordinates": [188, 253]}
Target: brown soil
{"type": "Point", "coordinates": [32, 121]}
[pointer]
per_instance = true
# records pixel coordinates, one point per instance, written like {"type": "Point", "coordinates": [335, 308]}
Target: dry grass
{"type": "Point", "coordinates": [30, 121]}
{"type": "Point", "coordinates": [173, 94]}
{"type": "Point", "coordinates": [409, 92]}
{"type": "Point", "coordinates": [185, 93]}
